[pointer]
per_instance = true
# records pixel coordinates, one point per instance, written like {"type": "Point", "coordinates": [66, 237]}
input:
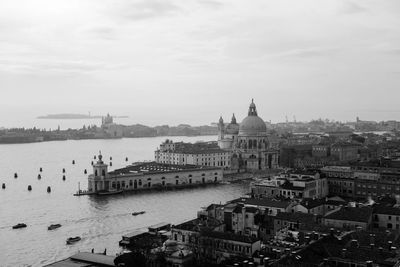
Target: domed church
{"type": "Point", "coordinates": [248, 142]}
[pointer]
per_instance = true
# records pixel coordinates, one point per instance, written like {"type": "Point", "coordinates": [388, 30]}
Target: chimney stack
{"type": "Point", "coordinates": [344, 252]}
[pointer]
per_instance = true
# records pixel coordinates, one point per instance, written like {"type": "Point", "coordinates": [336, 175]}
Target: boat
{"type": "Point", "coordinates": [138, 213]}
{"type": "Point", "coordinates": [72, 240]}
{"type": "Point", "coordinates": [18, 226]}
{"type": "Point", "coordinates": [54, 226]}
{"type": "Point", "coordinates": [109, 192]}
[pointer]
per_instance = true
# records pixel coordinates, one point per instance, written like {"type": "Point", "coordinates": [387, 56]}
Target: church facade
{"type": "Point", "coordinates": [248, 142]}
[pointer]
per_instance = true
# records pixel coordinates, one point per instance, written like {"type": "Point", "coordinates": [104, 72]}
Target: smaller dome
{"type": "Point", "coordinates": [232, 128]}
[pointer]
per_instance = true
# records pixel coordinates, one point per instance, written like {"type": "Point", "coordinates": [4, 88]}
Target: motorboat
{"type": "Point", "coordinates": [138, 213]}
{"type": "Point", "coordinates": [54, 226]}
{"type": "Point", "coordinates": [73, 240]}
{"type": "Point", "coordinates": [18, 226]}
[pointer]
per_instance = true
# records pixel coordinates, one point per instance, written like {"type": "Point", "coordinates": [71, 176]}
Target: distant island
{"type": "Point", "coordinates": [71, 116]}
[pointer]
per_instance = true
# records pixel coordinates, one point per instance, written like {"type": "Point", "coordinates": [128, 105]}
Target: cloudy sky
{"type": "Point", "coordinates": [190, 61]}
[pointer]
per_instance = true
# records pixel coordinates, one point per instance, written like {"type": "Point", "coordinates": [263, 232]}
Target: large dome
{"type": "Point", "coordinates": [252, 124]}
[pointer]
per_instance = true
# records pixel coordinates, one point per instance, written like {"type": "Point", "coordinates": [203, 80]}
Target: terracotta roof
{"type": "Point", "coordinates": [351, 214]}
{"type": "Point", "coordinates": [263, 202]}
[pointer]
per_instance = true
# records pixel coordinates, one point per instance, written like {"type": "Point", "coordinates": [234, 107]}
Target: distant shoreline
{"type": "Point", "coordinates": [69, 116]}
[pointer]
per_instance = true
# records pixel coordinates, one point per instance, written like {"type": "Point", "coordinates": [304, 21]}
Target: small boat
{"type": "Point", "coordinates": [54, 226]}
{"type": "Point", "coordinates": [72, 240]}
{"type": "Point", "coordinates": [109, 192]}
{"type": "Point", "coordinates": [138, 213]}
{"type": "Point", "coordinates": [18, 226]}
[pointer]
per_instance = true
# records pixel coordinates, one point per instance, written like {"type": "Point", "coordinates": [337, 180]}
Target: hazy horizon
{"type": "Point", "coordinates": [175, 61]}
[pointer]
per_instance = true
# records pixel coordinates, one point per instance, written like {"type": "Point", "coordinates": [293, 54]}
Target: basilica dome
{"type": "Point", "coordinates": [252, 125]}
{"type": "Point", "coordinates": [233, 127]}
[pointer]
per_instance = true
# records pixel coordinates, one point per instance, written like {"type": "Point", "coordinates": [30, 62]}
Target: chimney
{"type": "Point", "coordinates": [261, 259]}
{"type": "Point", "coordinates": [332, 231]}
{"type": "Point", "coordinates": [315, 235]}
{"type": "Point", "coordinates": [371, 238]}
{"type": "Point", "coordinates": [397, 197]}
{"type": "Point", "coordinates": [344, 252]}
{"type": "Point", "coordinates": [390, 243]}
{"type": "Point", "coordinates": [266, 261]}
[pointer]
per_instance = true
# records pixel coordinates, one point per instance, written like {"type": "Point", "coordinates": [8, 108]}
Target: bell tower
{"type": "Point", "coordinates": [100, 169]}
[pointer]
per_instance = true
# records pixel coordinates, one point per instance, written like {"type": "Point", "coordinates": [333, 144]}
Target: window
{"type": "Point", "coordinates": [389, 226]}
{"type": "Point", "coordinates": [183, 238]}
{"type": "Point", "coordinates": [175, 237]}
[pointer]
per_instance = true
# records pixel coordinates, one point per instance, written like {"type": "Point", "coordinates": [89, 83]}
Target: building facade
{"type": "Point", "coordinates": [150, 175]}
{"type": "Point", "coordinates": [249, 142]}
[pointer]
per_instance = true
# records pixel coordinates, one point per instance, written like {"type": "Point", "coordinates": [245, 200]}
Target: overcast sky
{"type": "Point", "coordinates": [170, 62]}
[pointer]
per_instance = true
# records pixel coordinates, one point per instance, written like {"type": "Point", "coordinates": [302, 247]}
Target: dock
{"type": "Point", "coordinates": [85, 259]}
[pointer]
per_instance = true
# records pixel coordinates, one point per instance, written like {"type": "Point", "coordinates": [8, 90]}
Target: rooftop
{"type": "Point", "coordinates": [229, 236]}
{"type": "Point", "coordinates": [295, 217]}
{"type": "Point", "coordinates": [351, 214]}
{"type": "Point", "coordinates": [264, 202]}
{"type": "Point", "coordinates": [153, 167]}
{"type": "Point", "coordinates": [196, 225]}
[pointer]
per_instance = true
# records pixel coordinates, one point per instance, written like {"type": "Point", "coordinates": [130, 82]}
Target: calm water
{"type": "Point", "coordinates": [99, 221]}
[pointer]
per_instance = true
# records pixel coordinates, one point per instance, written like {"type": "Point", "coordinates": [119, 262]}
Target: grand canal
{"type": "Point", "coordinates": [100, 221]}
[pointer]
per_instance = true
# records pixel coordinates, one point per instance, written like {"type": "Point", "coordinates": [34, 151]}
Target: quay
{"type": "Point", "coordinates": [85, 259]}
{"type": "Point", "coordinates": [149, 175]}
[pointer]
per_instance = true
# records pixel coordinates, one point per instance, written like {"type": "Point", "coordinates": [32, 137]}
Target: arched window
{"type": "Point", "coordinates": [95, 173]}
{"type": "Point", "coordinates": [140, 182]}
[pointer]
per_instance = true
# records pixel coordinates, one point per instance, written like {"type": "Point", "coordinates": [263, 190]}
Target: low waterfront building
{"type": "Point", "coordinates": [150, 175]}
